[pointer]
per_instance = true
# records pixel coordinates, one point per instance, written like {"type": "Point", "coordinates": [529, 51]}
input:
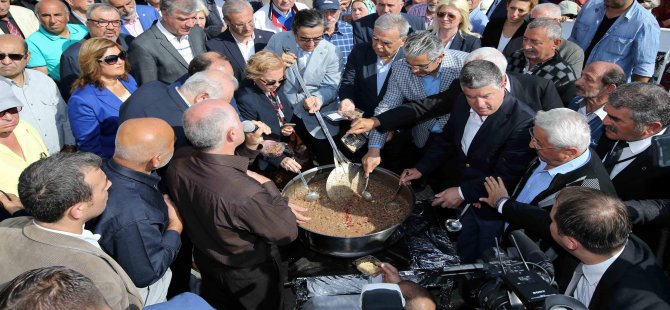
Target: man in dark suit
{"type": "Point", "coordinates": [78, 10]}
{"type": "Point", "coordinates": [364, 26]}
{"type": "Point", "coordinates": [164, 51]}
{"type": "Point", "coordinates": [565, 161]}
{"type": "Point", "coordinates": [101, 24]}
{"type": "Point", "coordinates": [538, 93]}
{"type": "Point", "coordinates": [615, 270]}
{"type": "Point", "coordinates": [363, 83]}
{"type": "Point", "coordinates": [635, 114]}
{"type": "Point", "coordinates": [487, 134]}
{"type": "Point", "coordinates": [135, 19]}
{"type": "Point", "coordinates": [241, 40]}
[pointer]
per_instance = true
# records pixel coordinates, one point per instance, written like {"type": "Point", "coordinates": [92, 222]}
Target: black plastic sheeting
{"type": "Point", "coordinates": [425, 246]}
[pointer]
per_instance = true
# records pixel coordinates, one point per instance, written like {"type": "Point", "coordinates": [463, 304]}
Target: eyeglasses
{"type": "Point", "coordinates": [421, 67]}
{"type": "Point", "coordinates": [105, 23]}
{"type": "Point", "coordinates": [14, 57]}
{"type": "Point", "coordinates": [272, 82]}
{"type": "Point", "coordinates": [13, 110]}
{"type": "Point", "coordinates": [113, 59]}
{"type": "Point", "coordinates": [241, 25]}
{"type": "Point", "coordinates": [449, 15]}
{"type": "Point", "coordinates": [307, 40]}
{"type": "Point", "coordinates": [536, 144]}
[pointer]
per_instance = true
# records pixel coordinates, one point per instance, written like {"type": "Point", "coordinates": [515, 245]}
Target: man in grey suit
{"type": "Point", "coordinates": [164, 51]}
{"type": "Point", "coordinates": [318, 62]}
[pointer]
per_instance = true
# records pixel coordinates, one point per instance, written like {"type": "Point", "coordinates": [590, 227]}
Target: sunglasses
{"type": "Point", "coordinates": [13, 110]}
{"type": "Point", "coordinates": [113, 59]}
{"type": "Point", "coordinates": [272, 82]}
{"type": "Point", "coordinates": [306, 40]}
{"type": "Point", "coordinates": [14, 57]}
{"type": "Point", "coordinates": [443, 14]}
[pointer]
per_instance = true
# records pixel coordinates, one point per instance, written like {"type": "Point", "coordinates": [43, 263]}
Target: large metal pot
{"type": "Point", "coordinates": [352, 246]}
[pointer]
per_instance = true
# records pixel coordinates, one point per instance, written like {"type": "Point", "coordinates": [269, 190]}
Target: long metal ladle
{"type": "Point", "coordinates": [455, 225]}
{"type": "Point", "coordinates": [311, 195]}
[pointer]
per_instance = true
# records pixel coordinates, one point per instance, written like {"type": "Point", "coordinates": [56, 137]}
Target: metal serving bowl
{"type": "Point", "coordinates": [352, 246]}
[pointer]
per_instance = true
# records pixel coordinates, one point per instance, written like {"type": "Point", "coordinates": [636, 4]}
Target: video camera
{"type": "Point", "coordinates": [520, 278]}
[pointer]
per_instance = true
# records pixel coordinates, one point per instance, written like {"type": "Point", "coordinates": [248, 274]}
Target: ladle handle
{"type": "Point", "coordinates": [467, 206]}
{"type": "Point", "coordinates": [304, 182]}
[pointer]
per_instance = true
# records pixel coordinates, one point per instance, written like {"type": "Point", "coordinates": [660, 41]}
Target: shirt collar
{"type": "Point", "coordinates": [148, 179]}
{"type": "Point", "coordinates": [483, 118]}
{"type": "Point", "coordinates": [86, 235]}
{"type": "Point", "coordinates": [508, 85]}
{"type": "Point", "coordinates": [53, 37]}
{"type": "Point", "coordinates": [567, 167]}
{"type": "Point", "coordinates": [600, 112]}
{"type": "Point", "coordinates": [593, 273]}
{"type": "Point", "coordinates": [251, 41]}
{"type": "Point", "coordinates": [638, 146]}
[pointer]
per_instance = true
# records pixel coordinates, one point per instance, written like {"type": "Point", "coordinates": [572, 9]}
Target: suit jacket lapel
{"type": "Point", "coordinates": [229, 43]}
{"type": "Point", "coordinates": [168, 46]}
{"type": "Point", "coordinates": [314, 63]}
{"type": "Point", "coordinates": [196, 42]}
{"type": "Point", "coordinates": [457, 42]}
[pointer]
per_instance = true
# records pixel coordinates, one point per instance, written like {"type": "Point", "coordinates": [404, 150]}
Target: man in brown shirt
{"type": "Point", "coordinates": [232, 215]}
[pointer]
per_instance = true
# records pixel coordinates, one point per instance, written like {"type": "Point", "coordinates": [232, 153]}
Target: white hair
{"type": "Point", "coordinates": [565, 128]}
{"type": "Point", "coordinates": [491, 54]}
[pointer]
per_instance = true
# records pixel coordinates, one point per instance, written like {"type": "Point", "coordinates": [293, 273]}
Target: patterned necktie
{"type": "Point", "coordinates": [12, 29]}
{"type": "Point", "coordinates": [613, 156]}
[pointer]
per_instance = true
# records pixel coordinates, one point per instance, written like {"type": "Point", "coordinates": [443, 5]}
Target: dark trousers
{"type": "Point", "coordinates": [181, 268]}
{"type": "Point", "coordinates": [320, 148]}
{"type": "Point", "coordinates": [224, 287]}
{"type": "Point", "coordinates": [478, 234]}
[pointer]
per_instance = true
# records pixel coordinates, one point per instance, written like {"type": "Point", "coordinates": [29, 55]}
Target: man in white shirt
{"type": "Point", "coordinates": [63, 192]}
{"type": "Point", "coordinates": [43, 107]}
{"type": "Point", "coordinates": [487, 134]}
{"type": "Point", "coordinates": [616, 270]}
{"type": "Point", "coordinates": [164, 51]}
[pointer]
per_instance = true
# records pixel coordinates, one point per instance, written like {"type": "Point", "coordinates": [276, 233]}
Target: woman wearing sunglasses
{"type": "Point", "coordinates": [452, 26]}
{"type": "Point", "coordinates": [97, 95]}
{"type": "Point", "coordinates": [257, 100]}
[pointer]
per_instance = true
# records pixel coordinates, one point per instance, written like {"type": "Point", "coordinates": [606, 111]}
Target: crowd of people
{"type": "Point", "coordinates": [134, 140]}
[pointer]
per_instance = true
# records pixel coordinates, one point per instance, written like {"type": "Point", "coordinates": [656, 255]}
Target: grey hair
{"type": "Point", "coordinates": [647, 103]}
{"type": "Point", "coordinates": [184, 6]}
{"type": "Point", "coordinates": [614, 76]}
{"type": "Point", "coordinates": [235, 6]}
{"type": "Point", "coordinates": [480, 73]}
{"type": "Point", "coordinates": [565, 128]}
{"type": "Point", "coordinates": [206, 132]}
{"type": "Point", "coordinates": [552, 27]}
{"type": "Point", "coordinates": [202, 8]}
{"type": "Point", "coordinates": [388, 22]}
{"type": "Point", "coordinates": [423, 43]}
{"type": "Point", "coordinates": [491, 54]}
{"type": "Point", "coordinates": [103, 7]}
{"type": "Point", "coordinates": [202, 82]}
{"type": "Point", "coordinates": [552, 9]}
{"type": "Point", "coordinates": [37, 8]}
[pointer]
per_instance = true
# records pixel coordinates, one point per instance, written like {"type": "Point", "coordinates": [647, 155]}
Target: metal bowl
{"type": "Point", "coordinates": [352, 246]}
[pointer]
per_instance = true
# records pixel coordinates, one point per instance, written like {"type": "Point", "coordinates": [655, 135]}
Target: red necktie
{"type": "Point", "coordinates": [12, 29]}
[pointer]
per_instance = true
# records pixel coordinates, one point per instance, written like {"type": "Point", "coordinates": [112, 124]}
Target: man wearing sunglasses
{"type": "Point", "coordinates": [20, 143]}
{"type": "Point", "coordinates": [103, 20]}
{"type": "Point", "coordinates": [43, 107]}
{"type": "Point", "coordinates": [54, 36]}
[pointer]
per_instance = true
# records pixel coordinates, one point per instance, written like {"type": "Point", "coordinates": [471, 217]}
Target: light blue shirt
{"type": "Point", "coordinates": [540, 179]}
{"type": "Point", "coordinates": [478, 20]}
{"type": "Point", "coordinates": [46, 48]}
{"type": "Point", "coordinates": [382, 73]}
{"type": "Point", "coordinates": [632, 41]}
{"type": "Point", "coordinates": [431, 85]}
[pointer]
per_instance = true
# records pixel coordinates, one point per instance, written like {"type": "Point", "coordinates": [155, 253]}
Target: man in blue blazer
{"type": "Point", "coordinates": [363, 27]}
{"type": "Point", "coordinates": [238, 14]}
{"type": "Point", "coordinates": [135, 18]}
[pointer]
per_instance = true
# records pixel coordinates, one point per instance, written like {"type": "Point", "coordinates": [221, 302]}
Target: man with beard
{"type": "Point", "coordinates": [597, 82]}
{"type": "Point", "coordinates": [618, 31]}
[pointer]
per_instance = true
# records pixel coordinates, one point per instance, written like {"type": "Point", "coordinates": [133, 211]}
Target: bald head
{"type": "Point", "coordinates": [53, 16]}
{"type": "Point", "coordinates": [209, 84]}
{"type": "Point", "coordinates": [213, 125]}
{"type": "Point", "coordinates": [143, 142]}
{"type": "Point", "coordinates": [598, 80]}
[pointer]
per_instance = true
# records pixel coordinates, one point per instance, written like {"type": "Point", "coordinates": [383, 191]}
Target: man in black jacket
{"type": "Point", "coordinates": [363, 27]}
{"type": "Point", "coordinates": [487, 134]}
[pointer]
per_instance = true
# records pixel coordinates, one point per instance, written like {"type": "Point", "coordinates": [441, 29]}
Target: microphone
{"type": "Point", "coordinates": [249, 126]}
{"type": "Point", "coordinates": [530, 251]}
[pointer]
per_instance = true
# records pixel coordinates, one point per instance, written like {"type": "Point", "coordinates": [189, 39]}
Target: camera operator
{"type": "Point", "coordinates": [616, 270]}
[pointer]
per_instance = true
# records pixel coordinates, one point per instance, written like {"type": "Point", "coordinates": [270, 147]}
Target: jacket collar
{"type": "Point", "coordinates": [148, 179]}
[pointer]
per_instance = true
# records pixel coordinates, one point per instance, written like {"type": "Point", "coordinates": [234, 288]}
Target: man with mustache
{"type": "Point", "coordinates": [539, 57]}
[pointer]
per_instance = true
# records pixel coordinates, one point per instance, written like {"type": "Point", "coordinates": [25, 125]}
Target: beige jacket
{"type": "Point", "coordinates": [25, 19]}
{"type": "Point", "coordinates": [25, 247]}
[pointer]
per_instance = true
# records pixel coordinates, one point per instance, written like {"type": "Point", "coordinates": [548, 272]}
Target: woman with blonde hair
{"type": "Point", "coordinates": [257, 100]}
{"type": "Point", "coordinates": [452, 26]}
{"type": "Point", "coordinates": [104, 84]}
